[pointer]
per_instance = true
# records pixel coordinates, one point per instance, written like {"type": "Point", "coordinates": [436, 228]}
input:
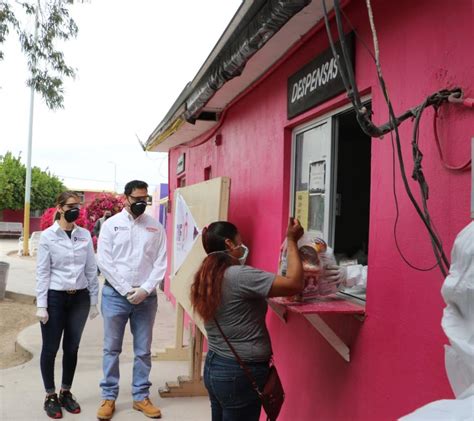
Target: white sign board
{"type": "Point", "coordinates": [185, 232]}
{"type": "Point", "coordinates": [317, 176]}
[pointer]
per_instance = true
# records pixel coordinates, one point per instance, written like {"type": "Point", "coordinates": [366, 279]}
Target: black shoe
{"type": "Point", "coordinates": [68, 402]}
{"type": "Point", "coordinates": [53, 407]}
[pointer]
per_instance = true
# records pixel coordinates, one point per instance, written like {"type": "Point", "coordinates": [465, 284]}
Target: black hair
{"type": "Point", "coordinates": [214, 236]}
{"type": "Point", "coordinates": [206, 290]}
{"type": "Point", "coordinates": [132, 185]}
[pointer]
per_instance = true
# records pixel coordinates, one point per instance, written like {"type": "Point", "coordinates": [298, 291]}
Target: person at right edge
{"type": "Point", "coordinates": [235, 295]}
{"type": "Point", "coordinates": [132, 257]}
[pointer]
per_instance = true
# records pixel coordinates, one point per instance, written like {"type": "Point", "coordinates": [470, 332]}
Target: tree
{"type": "Point", "coordinates": [45, 61]}
{"type": "Point", "coordinates": [45, 187]}
{"type": "Point", "coordinates": [101, 203]}
{"type": "Point", "coordinates": [12, 182]}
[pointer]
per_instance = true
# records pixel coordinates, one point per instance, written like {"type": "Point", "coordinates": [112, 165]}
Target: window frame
{"type": "Point", "coordinates": [318, 121]}
{"type": "Point", "coordinates": [331, 119]}
{"type": "Point", "coordinates": [328, 199]}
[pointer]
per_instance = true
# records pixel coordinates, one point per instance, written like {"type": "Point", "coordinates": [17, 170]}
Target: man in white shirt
{"type": "Point", "coordinates": [131, 255]}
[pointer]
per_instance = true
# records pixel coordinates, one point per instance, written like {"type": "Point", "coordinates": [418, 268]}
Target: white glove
{"type": "Point", "coordinates": [348, 276]}
{"type": "Point", "coordinates": [93, 312]}
{"type": "Point", "coordinates": [42, 315]}
{"type": "Point", "coordinates": [327, 257]}
{"type": "Point", "coordinates": [332, 280]}
{"type": "Point", "coordinates": [136, 295]}
{"type": "Point", "coordinates": [335, 273]}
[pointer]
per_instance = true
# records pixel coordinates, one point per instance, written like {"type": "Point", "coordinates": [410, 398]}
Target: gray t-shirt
{"type": "Point", "coordinates": [241, 315]}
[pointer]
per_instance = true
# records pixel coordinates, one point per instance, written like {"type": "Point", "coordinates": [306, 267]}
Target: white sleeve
{"type": "Point", "coordinates": [106, 262]}
{"type": "Point", "coordinates": [159, 266]}
{"type": "Point", "coordinates": [43, 272]}
{"type": "Point", "coordinates": [356, 275]}
{"type": "Point", "coordinates": [91, 273]}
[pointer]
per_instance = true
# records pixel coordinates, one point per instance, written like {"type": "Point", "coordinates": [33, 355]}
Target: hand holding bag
{"type": "Point", "coordinates": [272, 395]}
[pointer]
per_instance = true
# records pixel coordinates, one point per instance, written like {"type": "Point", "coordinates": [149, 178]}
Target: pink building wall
{"type": "Point", "coordinates": [397, 357]}
{"type": "Point", "coordinates": [9, 215]}
{"type": "Point", "coordinates": [89, 197]}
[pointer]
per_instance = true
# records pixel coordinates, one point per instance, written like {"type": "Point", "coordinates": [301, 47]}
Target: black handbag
{"type": "Point", "coordinates": [272, 395]}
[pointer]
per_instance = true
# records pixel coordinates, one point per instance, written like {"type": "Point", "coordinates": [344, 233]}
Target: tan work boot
{"type": "Point", "coordinates": [148, 409]}
{"type": "Point", "coordinates": [106, 409]}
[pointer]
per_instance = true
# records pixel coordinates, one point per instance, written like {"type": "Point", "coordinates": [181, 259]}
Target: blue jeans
{"type": "Point", "coordinates": [67, 315]}
{"type": "Point", "coordinates": [116, 312]}
{"type": "Point", "coordinates": [230, 391]}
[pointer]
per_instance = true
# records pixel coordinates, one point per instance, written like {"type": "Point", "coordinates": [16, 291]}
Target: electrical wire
{"type": "Point", "coordinates": [397, 216]}
{"type": "Point", "coordinates": [420, 178]}
{"type": "Point", "coordinates": [462, 167]}
{"type": "Point", "coordinates": [369, 128]}
{"type": "Point", "coordinates": [362, 41]}
{"type": "Point", "coordinates": [426, 222]}
{"type": "Point", "coordinates": [345, 54]}
{"type": "Point", "coordinates": [374, 38]}
{"type": "Point", "coordinates": [417, 172]}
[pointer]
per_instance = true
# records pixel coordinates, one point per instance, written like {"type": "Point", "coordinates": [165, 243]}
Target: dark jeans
{"type": "Point", "coordinates": [67, 318]}
{"type": "Point", "coordinates": [230, 391]}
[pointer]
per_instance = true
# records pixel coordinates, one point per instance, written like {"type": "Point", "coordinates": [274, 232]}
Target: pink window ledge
{"type": "Point", "coordinates": [311, 310]}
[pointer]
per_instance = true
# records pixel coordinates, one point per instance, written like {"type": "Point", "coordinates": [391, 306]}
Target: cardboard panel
{"type": "Point", "coordinates": [208, 202]}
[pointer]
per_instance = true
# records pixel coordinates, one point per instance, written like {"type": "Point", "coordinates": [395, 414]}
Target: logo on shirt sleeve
{"type": "Point", "coordinates": [152, 229]}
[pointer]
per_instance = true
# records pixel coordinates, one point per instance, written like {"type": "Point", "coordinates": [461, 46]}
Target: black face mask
{"type": "Point", "coordinates": [138, 208]}
{"type": "Point", "coordinates": [71, 214]}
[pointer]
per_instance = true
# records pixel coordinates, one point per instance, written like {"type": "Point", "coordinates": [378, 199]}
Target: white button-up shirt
{"type": "Point", "coordinates": [132, 252]}
{"type": "Point", "coordinates": [65, 263]}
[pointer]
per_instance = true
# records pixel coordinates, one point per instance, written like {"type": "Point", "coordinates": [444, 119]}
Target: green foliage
{"type": "Point", "coordinates": [12, 182]}
{"type": "Point", "coordinates": [45, 62]}
{"type": "Point", "coordinates": [45, 187]}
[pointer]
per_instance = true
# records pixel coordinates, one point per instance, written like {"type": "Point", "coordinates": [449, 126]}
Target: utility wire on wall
{"type": "Point", "coordinates": [363, 117]}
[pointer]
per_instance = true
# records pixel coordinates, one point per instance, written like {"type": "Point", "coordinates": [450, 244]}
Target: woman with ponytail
{"type": "Point", "coordinates": [66, 293]}
{"type": "Point", "coordinates": [234, 295]}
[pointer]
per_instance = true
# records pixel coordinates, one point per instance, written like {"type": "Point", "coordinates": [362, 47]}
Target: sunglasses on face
{"type": "Point", "coordinates": [139, 198]}
{"type": "Point", "coordinates": [72, 205]}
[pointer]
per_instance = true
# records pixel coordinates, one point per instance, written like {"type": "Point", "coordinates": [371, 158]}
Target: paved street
{"type": "Point", "coordinates": [21, 390]}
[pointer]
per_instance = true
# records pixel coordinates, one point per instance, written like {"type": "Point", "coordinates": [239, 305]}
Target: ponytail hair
{"type": "Point", "coordinates": [206, 289]}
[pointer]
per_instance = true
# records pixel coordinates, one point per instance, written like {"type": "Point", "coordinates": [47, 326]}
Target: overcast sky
{"type": "Point", "coordinates": [133, 58]}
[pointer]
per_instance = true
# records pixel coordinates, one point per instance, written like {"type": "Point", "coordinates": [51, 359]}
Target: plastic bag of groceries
{"type": "Point", "coordinates": [315, 257]}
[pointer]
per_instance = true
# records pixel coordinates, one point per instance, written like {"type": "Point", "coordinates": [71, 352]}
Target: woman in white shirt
{"type": "Point", "coordinates": [66, 293]}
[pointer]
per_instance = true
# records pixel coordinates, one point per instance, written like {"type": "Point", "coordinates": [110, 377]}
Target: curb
{"type": "Point", "coordinates": [20, 298]}
{"type": "Point", "coordinates": [22, 342]}
{"type": "Point", "coordinates": [20, 348]}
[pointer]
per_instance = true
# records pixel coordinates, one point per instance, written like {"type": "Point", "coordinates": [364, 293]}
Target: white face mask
{"type": "Point", "coordinates": [244, 256]}
{"type": "Point", "coordinates": [241, 259]}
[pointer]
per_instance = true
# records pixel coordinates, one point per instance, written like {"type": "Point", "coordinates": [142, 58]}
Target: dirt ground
{"type": "Point", "coordinates": [14, 317]}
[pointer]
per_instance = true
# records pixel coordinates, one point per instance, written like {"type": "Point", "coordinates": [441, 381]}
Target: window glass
{"type": "Point", "coordinates": [312, 193]}
{"type": "Point", "coordinates": [331, 189]}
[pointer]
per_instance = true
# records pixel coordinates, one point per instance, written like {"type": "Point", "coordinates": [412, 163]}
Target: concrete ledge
{"type": "Point", "coordinates": [29, 340]}
{"type": "Point", "coordinates": [20, 349]}
{"type": "Point", "coordinates": [20, 298]}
